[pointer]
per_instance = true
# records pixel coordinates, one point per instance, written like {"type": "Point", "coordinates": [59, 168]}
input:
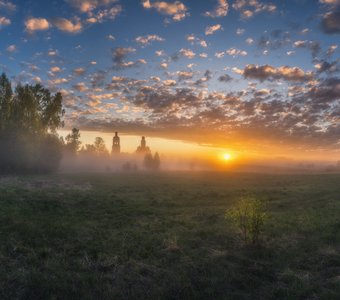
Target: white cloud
{"type": "Point", "coordinates": [240, 31]}
{"type": "Point", "coordinates": [249, 8]}
{"type": "Point", "coordinates": [67, 26]}
{"type": "Point", "coordinates": [52, 52]}
{"type": "Point", "coordinates": [11, 48]}
{"type": "Point", "coordinates": [187, 53]}
{"type": "Point", "coordinates": [212, 29]}
{"type": "Point", "coordinates": [36, 24]}
{"type": "Point", "coordinates": [4, 21]}
{"type": "Point", "coordinates": [194, 40]}
{"type": "Point", "coordinates": [236, 52]}
{"type": "Point", "coordinates": [146, 40]}
{"type": "Point", "coordinates": [110, 37]}
{"type": "Point", "coordinates": [221, 10]}
{"type": "Point", "coordinates": [55, 69]}
{"type": "Point", "coordinates": [7, 5]}
{"type": "Point", "coordinates": [177, 10]}
{"type": "Point", "coordinates": [86, 6]}
{"type": "Point", "coordinates": [249, 41]}
{"type": "Point", "coordinates": [79, 71]}
{"type": "Point", "coordinates": [330, 2]}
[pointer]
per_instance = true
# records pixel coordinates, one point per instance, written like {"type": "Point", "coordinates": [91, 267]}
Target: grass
{"type": "Point", "coordinates": [164, 236]}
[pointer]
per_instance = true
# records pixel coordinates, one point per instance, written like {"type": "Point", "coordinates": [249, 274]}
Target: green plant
{"type": "Point", "coordinates": [249, 216]}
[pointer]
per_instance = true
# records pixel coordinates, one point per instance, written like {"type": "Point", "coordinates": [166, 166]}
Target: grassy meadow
{"type": "Point", "coordinates": [165, 236]}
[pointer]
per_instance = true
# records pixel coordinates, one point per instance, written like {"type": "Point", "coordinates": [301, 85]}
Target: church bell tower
{"type": "Point", "coordinates": [116, 144]}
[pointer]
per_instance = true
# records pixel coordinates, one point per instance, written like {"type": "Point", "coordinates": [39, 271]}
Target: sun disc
{"type": "Point", "coordinates": [226, 156]}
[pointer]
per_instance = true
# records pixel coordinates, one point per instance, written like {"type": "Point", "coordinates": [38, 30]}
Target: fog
{"type": "Point", "coordinates": [125, 162]}
{"type": "Point", "coordinates": [132, 162]}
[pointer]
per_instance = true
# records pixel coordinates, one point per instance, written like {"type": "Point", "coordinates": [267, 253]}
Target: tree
{"type": "Point", "coordinates": [5, 100]}
{"type": "Point", "coordinates": [29, 118]}
{"type": "Point", "coordinates": [100, 147]}
{"type": "Point", "coordinates": [156, 161]}
{"type": "Point", "coordinates": [87, 149]}
{"type": "Point", "coordinates": [151, 163]}
{"type": "Point", "coordinates": [148, 161]}
{"type": "Point", "coordinates": [73, 142]}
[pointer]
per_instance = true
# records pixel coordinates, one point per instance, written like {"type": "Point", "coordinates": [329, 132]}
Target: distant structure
{"type": "Point", "coordinates": [143, 149]}
{"type": "Point", "coordinates": [116, 144]}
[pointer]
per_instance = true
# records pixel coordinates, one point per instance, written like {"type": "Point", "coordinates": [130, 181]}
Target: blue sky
{"type": "Point", "coordinates": [247, 72]}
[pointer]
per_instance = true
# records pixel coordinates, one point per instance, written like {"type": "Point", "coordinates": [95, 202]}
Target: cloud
{"type": "Point", "coordinates": [330, 23]}
{"type": "Point", "coordinates": [80, 87]}
{"type": "Point", "coordinates": [4, 21]}
{"type": "Point", "coordinates": [110, 37]}
{"type": "Point", "coordinates": [119, 54]}
{"type": "Point", "coordinates": [248, 8]}
{"type": "Point", "coordinates": [194, 40]}
{"type": "Point", "coordinates": [236, 52]}
{"type": "Point", "coordinates": [267, 72]}
{"type": "Point", "coordinates": [313, 46]}
{"type": "Point", "coordinates": [331, 49]}
{"type": "Point", "coordinates": [187, 53]}
{"type": "Point", "coordinates": [249, 41]}
{"type": "Point", "coordinates": [164, 65]}
{"type": "Point", "coordinates": [7, 5]}
{"type": "Point", "coordinates": [146, 40]}
{"type": "Point", "coordinates": [329, 67]}
{"type": "Point", "coordinates": [107, 14]}
{"type": "Point", "coordinates": [169, 82]}
{"type": "Point", "coordinates": [55, 69]}
{"type": "Point", "coordinates": [220, 54]}
{"type": "Point", "coordinates": [58, 81]}
{"type": "Point", "coordinates": [326, 92]}
{"type": "Point", "coordinates": [184, 75]}
{"type": "Point", "coordinates": [67, 26]}
{"type": "Point", "coordinates": [11, 48]}
{"type": "Point", "coordinates": [221, 10]}
{"type": "Point", "coordinates": [240, 31]}
{"type": "Point", "coordinates": [225, 78]}
{"type": "Point", "coordinates": [330, 2]}
{"type": "Point", "coordinates": [79, 71]}
{"type": "Point", "coordinates": [86, 6]}
{"type": "Point", "coordinates": [255, 115]}
{"type": "Point", "coordinates": [52, 52]}
{"type": "Point", "coordinates": [212, 29]}
{"type": "Point", "coordinates": [36, 24]}
{"type": "Point", "coordinates": [177, 10]}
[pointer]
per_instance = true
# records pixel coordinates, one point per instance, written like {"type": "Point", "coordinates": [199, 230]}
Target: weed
{"type": "Point", "coordinates": [249, 215]}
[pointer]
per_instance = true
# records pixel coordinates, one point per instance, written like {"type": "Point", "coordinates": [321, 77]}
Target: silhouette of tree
{"type": "Point", "coordinates": [5, 100]}
{"type": "Point", "coordinates": [73, 141]}
{"type": "Point", "coordinates": [151, 163]}
{"type": "Point", "coordinates": [100, 147]}
{"type": "Point", "coordinates": [29, 118]}
{"type": "Point", "coordinates": [148, 161]}
{"type": "Point", "coordinates": [87, 149]}
{"type": "Point", "coordinates": [156, 161]}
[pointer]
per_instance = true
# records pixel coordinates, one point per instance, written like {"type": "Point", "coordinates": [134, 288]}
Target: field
{"type": "Point", "coordinates": [165, 236]}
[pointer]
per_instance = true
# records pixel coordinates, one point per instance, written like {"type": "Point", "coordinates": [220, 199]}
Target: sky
{"type": "Point", "coordinates": [251, 76]}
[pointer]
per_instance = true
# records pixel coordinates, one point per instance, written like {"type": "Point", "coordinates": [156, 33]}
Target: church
{"type": "Point", "coordinates": [141, 149]}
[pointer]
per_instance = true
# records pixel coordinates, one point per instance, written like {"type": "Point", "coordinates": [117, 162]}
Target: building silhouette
{"type": "Point", "coordinates": [143, 149]}
{"type": "Point", "coordinates": [116, 144]}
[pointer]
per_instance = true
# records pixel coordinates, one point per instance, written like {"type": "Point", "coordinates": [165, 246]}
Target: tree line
{"type": "Point", "coordinates": [29, 118]}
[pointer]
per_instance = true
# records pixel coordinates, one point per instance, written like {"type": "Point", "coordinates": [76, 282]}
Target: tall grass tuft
{"type": "Point", "coordinates": [249, 215]}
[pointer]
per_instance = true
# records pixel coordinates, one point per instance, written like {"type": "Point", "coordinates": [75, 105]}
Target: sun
{"type": "Point", "coordinates": [227, 156]}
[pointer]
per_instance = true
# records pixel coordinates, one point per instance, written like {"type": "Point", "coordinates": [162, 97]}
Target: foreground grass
{"type": "Point", "coordinates": [164, 236]}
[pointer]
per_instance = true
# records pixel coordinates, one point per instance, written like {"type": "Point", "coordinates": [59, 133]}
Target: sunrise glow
{"type": "Point", "coordinates": [227, 156]}
{"type": "Point", "coordinates": [194, 77]}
